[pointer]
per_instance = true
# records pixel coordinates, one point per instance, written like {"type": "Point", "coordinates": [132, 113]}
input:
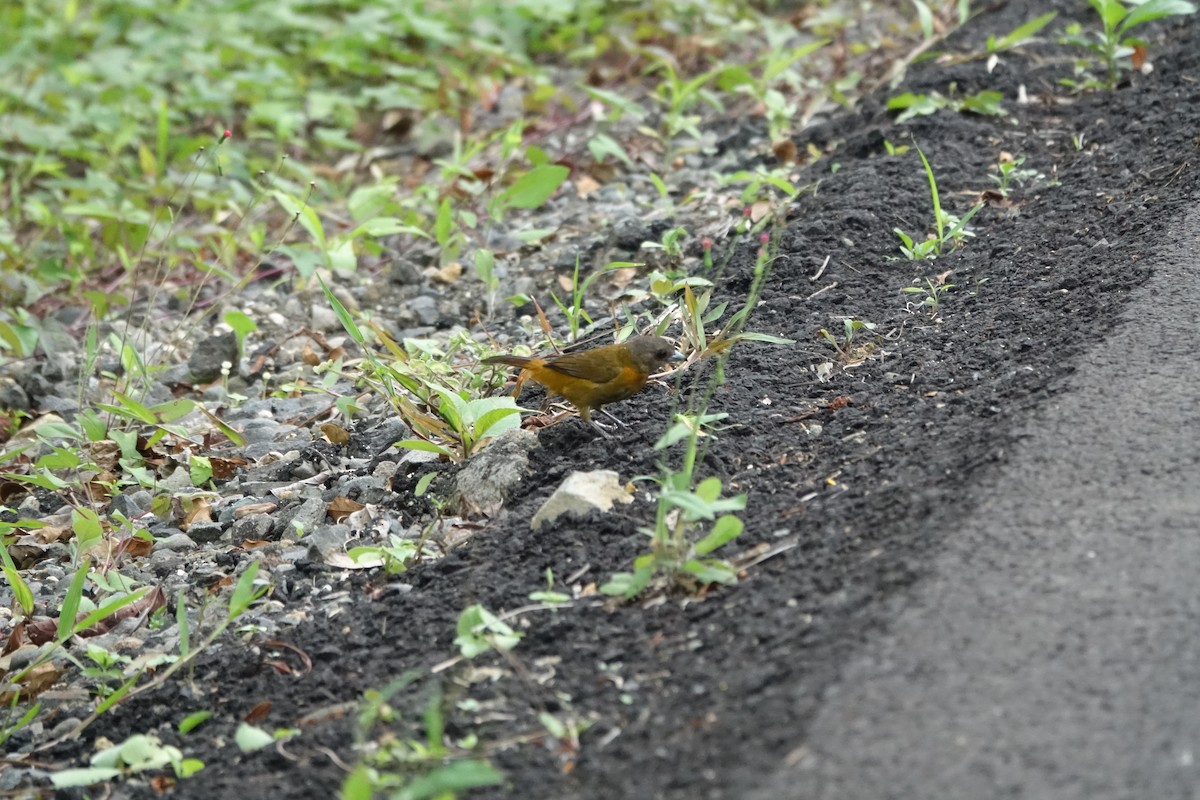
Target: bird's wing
{"type": "Point", "coordinates": [597, 366]}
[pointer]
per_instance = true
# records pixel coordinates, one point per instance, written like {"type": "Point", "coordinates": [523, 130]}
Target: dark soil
{"type": "Point", "coordinates": [867, 472]}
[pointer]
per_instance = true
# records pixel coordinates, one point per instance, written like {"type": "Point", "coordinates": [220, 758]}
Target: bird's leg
{"type": "Point", "coordinates": [606, 413]}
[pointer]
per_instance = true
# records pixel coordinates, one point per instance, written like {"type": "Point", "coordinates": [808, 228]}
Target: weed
{"type": "Point", "coordinates": [985, 103]}
{"type": "Point", "coordinates": [479, 631]}
{"type": "Point", "coordinates": [950, 230]}
{"type": "Point", "coordinates": [1020, 35]}
{"type": "Point", "coordinates": [139, 753]}
{"type": "Point", "coordinates": [1009, 171]}
{"type": "Point", "coordinates": [848, 344]}
{"type": "Point", "coordinates": [676, 553]}
{"type": "Point", "coordinates": [1112, 45]}
{"type": "Point", "coordinates": [930, 294]}
{"type": "Point", "coordinates": [412, 768]}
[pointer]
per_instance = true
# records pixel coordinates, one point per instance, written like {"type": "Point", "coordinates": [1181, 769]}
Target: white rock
{"type": "Point", "coordinates": [580, 493]}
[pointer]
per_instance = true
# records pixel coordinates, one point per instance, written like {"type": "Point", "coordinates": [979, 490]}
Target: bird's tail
{"type": "Point", "coordinates": [513, 361]}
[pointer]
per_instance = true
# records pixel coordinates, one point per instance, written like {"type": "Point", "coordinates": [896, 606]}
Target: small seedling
{"type": "Point", "coordinates": [931, 295]}
{"type": "Point", "coordinates": [847, 345]}
{"type": "Point", "coordinates": [1008, 172]}
{"type": "Point", "coordinates": [949, 229]}
{"type": "Point", "coordinates": [986, 103]}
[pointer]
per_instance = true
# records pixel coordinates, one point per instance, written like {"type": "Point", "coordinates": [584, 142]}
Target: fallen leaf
{"type": "Point", "coordinates": [785, 150]}
{"type": "Point", "coordinates": [161, 784]}
{"type": "Point", "coordinates": [200, 511]}
{"type": "Point", "coordinates": [224, 468]}
{"type": "Point", "coordinates": [449, 273]}
{"type": "Point", "coordinates": [259, 712]}
{"type": "Point", "coordinates": [309, 356]}
{"type": "Point", "coordinates": [585, 185]}
{"type": "Point", "coordinates": [254, 508]}
{"type": "Point", "coordinates": [335, 433]}
{"type": "Point", "coordinates": [341, 507]}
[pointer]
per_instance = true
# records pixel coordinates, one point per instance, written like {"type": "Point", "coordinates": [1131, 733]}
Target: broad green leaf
{"type": "Point", "coordinates": [70, 605]}
{"type": "Point", "coordinates": [711, 570]}
{"type": "Point", "coordinates": [85, 776]}
{"type": "Point", "coordinates": [535, 187]}
{"type": "Point", "coordinates": [725, 530]}
{"type": "Point", "coordinates": [694, 506]}
{"type": "Point", "coordinates": [1020, 34]}
{"type": "Point", "coordinates": [425, 447]}
{"type": "Point", "coordinates": [1155, 9]}
{"type": "Point", "coordinates": [20, 589]}
{"type": "Point", "coordinates": [250, 738]}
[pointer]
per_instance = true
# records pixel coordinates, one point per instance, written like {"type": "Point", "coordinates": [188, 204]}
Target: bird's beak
{"type": "Point", "coordinates": [677, 357]}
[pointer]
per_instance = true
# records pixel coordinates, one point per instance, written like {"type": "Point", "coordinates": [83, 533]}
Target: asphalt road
{"type": "Point", "coordinates": [1055, 652]}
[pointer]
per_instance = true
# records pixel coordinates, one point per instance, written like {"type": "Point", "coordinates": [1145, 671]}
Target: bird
{"type": "Point", "coordinates": [591, 379]}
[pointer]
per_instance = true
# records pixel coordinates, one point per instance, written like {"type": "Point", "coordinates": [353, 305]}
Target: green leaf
{"type": "Point", "coordinates": [444, 222]}
{"type": "Point", "coordinates": [250, 738]}
{"type": "Point", "coordinates": [535, 187]}
{"type": "Point", "coordinates": [693, 506]}
{"type": "Point", "coordinates": [244, 592]}
{"type": "Point", "coordinates": [200, 470]}
{"type": "Point", "coordinates": [20, 589]}
{"type": "Point", "coordinates": [85, 776]}
{"type": "Point", "coordinates": [725, 530]}
{"type": "Point", "coordinates": [304, 214]}
{"type": "Point", "coordinates": [1154, 9]}
{"type": "Point", "coordinates": [425, 447]}
{"type": "Point", "coordinates": [70, 605]}
{"type": "Point", "coordinates": [1020, 34]}
{"type": "Point", "coordinates": [357, 785]}
{"type": "Point", "coordinates": [711, 570]}
{"type": "Point", "coordinates": [457, 776]}
{"type": "Point", "coordinates": [423, 484]}
{"type": "Point", "coordinates": [194, 720]}
{"type": "Point", "coordinates": [627, 584]}
{"type": "Point", "coordinates": [497, 421]}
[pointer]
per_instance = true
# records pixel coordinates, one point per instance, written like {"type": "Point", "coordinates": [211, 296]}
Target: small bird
{"type": "Point", "coordinates": [594, 378]}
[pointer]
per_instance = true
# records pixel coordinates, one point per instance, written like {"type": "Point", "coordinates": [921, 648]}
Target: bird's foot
{"type": "Point", "coordinates": [606, 413]}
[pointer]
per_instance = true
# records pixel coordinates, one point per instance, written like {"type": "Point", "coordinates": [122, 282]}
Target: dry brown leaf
{"type": "Point", "coordinates": [224, 468]}
{"type": "Point", "coordinates": [161, 784]}
{"type": "Point", "coordinates": [341, 507]}
{"type": "Point", "coordinates": [15, 639]}
{"type": "Point", "coordinates": [759, 210]}
{"type": "Point", "coordinates": [200, 511]}
{"type": "Point", "coordinates": [309, 356]}
{"type": "Point", "coordinates": [38, 680]}
{"type": "Point", "coordinates": [254, 508]}
{"type": "Point", "coordinates": [585, 185]}
{"type": "Point", "coordinates": [138, 547]}
{"type": "Point", "coordinates": [785, 150]}
{"type": "Point", "coordinates": [335, 433]}
{"type": "Point", "coordinates": [259, 712]}
{"type": "Point", "coordinates": [105, 453]}
{"type": "Point", "coordinates": [449, 273]}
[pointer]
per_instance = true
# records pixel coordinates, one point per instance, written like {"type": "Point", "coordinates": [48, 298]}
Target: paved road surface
{"type": "Point", "coordinates": [1055, 653]}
